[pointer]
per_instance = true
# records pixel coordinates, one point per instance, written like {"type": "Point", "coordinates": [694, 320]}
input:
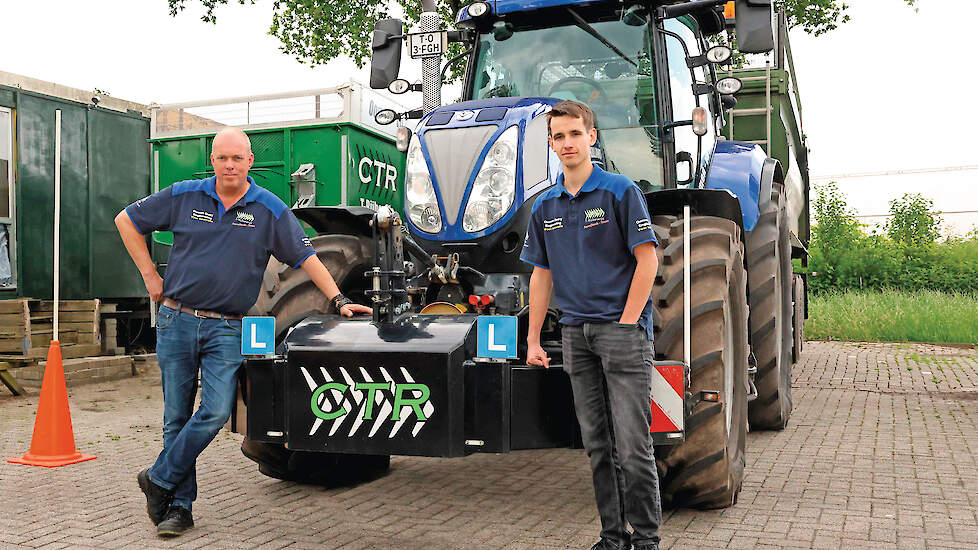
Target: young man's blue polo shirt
{"type": "Point", "coordinates": [587, 243]}
{"type": "Point", "coordinates": [219, 257]}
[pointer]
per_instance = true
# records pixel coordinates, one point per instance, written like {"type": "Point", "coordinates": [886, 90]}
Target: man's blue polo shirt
{"type": "Point", "coordinates": [587, 243]}
{"type": "Point", "coordinates": [219, 257]}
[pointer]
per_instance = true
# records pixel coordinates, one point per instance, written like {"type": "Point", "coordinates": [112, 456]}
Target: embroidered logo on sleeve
{"type": "Point", "coordinates": [141, 201]}
{"type": "Point", "coordinates": [306, 242]}
{"type": "Point", "coordinates": [526, 240]}
{"type": "Point", "coordinates": [244, 219]}
{"type": "Point", "coordinates": [202, 216]}
{"type": "Point", "coordinates": [550, 225]}
{"type": "Point", "coordinates": [643, 224]}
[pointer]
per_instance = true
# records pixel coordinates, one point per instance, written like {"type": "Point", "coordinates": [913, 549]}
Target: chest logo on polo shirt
{"type": "Point", "coordinates": [593, 217]}
{"type": "Point", "coordinates": [244, 219]}
{"type": "Point", "coordinates": [550, 225]}
{"type": "Point", "coordinates": [202, 216]}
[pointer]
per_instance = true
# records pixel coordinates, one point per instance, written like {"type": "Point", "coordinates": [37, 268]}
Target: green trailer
{"type": "Point", "coordinates": [768, 113]}
{"type": "Point", "coordinates": [312, 148]}
{"type": "Point", "coordinates": [105, 165]}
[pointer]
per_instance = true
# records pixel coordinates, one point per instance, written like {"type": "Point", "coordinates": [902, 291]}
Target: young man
{"type": "Point", "coordinates": [223, 230]}
{"type": "Point", "coordinates": [591, 242]}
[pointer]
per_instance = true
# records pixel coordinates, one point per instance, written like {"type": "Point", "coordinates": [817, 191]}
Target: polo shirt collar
{"type": "Point", "coordinates": [589, 185]}
{"type": "Point", "coordinates": [251, 195]}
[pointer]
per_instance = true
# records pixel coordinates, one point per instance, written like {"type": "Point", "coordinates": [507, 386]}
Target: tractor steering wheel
{"type": "Point", "coordinates": [583, 80]}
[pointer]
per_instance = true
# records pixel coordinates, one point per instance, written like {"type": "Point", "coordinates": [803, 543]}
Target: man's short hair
{"type": "Point", "coordinates": [574, 109]}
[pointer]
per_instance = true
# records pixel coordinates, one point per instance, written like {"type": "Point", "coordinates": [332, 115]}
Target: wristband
{"type": "Point", "coordinates": [340, 300]}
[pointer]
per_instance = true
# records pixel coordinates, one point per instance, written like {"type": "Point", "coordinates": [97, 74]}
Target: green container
{"type": "Point", "coordinates": [354, 162]}
{"type": "Point", "coordinates": [105, 165]}
{"type": "Point", "coordinates": [780, 135]}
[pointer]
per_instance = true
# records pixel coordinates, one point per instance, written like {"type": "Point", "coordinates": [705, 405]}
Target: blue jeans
{"type": "Point", "coordinates": [610, 366]}
{"type": "Point", "coordinates": [186, 345]}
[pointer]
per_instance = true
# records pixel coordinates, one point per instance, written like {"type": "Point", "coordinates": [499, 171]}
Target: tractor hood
{"type": "Point", "coordinates": [474, 182]}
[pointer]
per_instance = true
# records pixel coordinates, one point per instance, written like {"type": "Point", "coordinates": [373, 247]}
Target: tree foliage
{"type": "Point", "coordinates": [316, 31]}
{"type": "Point", "coordinates": [912, 221]}
{"type": "Point", "coordinates": [908, 256]}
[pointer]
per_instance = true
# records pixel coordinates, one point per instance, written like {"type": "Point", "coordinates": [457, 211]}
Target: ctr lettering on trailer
{"type": "Point", "coordinates": [378, 172]}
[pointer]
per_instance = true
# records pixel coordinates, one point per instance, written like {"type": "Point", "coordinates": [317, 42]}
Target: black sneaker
{"type": "Point", "coordinates": [605, 544]}
{"type": "Point", "coordinates": [158, 499]}
{"type": "Point", "coordinates": [178, 520]}
{"type": "Point", "coordinates": [647, 546]}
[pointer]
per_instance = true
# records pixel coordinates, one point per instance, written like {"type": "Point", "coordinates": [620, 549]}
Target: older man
{"type": "Point", "coordinates": [223, 230]}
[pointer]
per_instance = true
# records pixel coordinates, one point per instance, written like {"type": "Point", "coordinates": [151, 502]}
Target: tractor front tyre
{"type": "Point", "coordinates": [312, 468]}
{"type": "Point", "coordinates": [707, 469]}
{"type": "Point", "coordinates": [769, 278]}
{"type": "Point", "coordinates": [290, 296]}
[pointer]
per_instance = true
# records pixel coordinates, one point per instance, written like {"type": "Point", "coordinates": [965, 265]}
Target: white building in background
{"type": "Point", "coordinates": [954, 191]}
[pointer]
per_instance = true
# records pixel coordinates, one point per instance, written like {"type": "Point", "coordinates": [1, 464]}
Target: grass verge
{"type": "Point", "coordinates": [893, 316]}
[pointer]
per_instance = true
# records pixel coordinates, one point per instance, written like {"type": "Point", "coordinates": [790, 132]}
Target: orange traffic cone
{"type": "Point", "coordinates": [54, 441]}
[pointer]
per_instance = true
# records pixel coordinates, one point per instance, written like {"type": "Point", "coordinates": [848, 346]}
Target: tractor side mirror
{"type": "Point", "coordinates": [755, 25]}
{"type": "Point", "coordinates": [385, 61]}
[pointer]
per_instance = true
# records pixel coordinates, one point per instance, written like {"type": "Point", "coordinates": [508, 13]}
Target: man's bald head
{"type": "Point", "coordinates": [231, 135]}
{"type": "Point", "coordinates": [232, 158]}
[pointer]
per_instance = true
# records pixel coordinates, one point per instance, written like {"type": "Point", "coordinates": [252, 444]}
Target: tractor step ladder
{"type": "Point", "coordinates": [766, 110]}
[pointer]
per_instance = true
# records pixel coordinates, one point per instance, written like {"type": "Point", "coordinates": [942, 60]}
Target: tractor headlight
{"type": "Point", "coordinates": [419, 195]}
{"type": "Point", "coordinates": [495, 185]}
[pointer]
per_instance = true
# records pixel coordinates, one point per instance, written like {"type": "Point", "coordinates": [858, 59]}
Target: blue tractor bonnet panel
{"type": "Point", "coordinates": [737, 167]}
{"type": "Point", "coordinates": [511, 6]}
{"type": "Point", "coordinates": [505, 112]}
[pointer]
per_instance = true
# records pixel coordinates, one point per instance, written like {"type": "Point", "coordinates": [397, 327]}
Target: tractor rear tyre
{"type": "Point", "coordinates": [707, 469]}
{"type": "Point", "coordinates": [769, 278]}
{"type": "Point", "coordinates": [291, 296]}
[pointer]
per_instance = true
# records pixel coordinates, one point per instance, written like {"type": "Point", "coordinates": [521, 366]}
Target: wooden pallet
{"type": "Point", "coordinates": [27, 326]}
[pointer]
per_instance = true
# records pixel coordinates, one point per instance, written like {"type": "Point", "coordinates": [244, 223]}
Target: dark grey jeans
{"type": "Point", "coordinates": [609, 365]}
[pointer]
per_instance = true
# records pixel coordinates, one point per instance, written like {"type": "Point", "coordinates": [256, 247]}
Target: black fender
{"type": "Point", "coordinates": [337, 220]}
{"type": "Point", "coordinates": [702, 202]}
{"type": "Point", "coordinates": [771, 172]}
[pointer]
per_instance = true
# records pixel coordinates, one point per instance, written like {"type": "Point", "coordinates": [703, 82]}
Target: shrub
{"type": "Point", "coordinates": [908, 257]}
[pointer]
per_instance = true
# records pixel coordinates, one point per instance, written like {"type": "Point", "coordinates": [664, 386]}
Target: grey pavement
{"type": "Point", "coordinates": [881, 452]}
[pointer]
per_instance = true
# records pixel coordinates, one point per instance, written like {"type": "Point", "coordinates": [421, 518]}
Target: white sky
{"type": "Point", "coordinates": [884, 92]}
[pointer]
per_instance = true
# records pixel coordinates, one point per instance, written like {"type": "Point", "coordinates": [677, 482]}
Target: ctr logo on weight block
{"type": "Point", "coordinates": [366, 402]}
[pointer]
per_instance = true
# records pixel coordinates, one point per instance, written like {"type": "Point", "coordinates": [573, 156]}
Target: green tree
{"type": "Point", "coordinates": [316, 31]}
{"type": "Point", "coordinates": [836, 230]}
{"type": "Point", "coordinates": [913, 221]}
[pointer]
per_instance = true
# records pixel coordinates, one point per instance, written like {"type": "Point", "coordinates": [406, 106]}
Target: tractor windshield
{"type": "Point", "coordinates": [606, 64]}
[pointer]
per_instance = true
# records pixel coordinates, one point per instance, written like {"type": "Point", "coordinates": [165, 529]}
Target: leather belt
{"type": "Point", "coordinates": [173, 304]}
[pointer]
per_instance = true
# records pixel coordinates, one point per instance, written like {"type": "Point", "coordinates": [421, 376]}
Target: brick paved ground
{"type": "Point", "coordinates": [881, 452]}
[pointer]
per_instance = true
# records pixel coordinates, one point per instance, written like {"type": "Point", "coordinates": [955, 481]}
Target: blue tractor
{"type": "Point", "coordinates": [341, 396]}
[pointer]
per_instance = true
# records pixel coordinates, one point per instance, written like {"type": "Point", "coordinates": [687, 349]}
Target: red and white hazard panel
{"type": "Point", "coordinates": [668, 388]}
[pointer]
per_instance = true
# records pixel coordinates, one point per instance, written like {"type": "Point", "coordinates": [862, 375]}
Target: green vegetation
{"type": "Point", "coordinates": [904, 284]}
{"type": "Point", "coordinates": [893, 316]}
{"type": "Point", "coordinates": [908, 256]}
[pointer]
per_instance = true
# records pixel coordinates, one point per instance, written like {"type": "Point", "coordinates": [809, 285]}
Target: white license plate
{"type": "Point", "coordinates": [427, 44]}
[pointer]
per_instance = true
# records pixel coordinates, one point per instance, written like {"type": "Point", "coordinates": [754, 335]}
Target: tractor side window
{"type": "Point", "coordinates": [680, 45]}
{"type": "Point", "coordinates": [683, 103]}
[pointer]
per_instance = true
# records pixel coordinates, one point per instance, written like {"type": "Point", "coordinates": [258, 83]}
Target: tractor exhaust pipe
{"type": "Point", "coordinates": [430, 66]}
